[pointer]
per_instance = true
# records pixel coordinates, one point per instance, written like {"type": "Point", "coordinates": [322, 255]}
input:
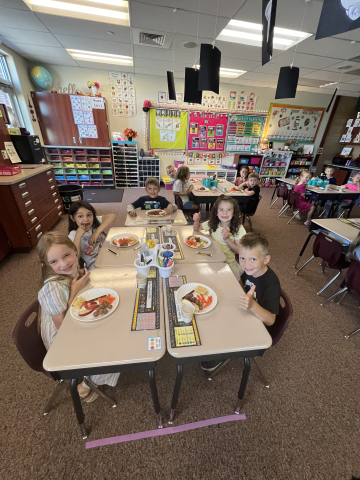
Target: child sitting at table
{"type": "Point", "coordinates": [151, 201]}
{"type": "Point", "coordinates": [327, 175]}
{"type": "Point", "coordinates": [353, 188]}
{"type": "Point", "coordinates": [244, 173]}
{"type": "Point", "coordinates": [183, 187]}
{"type": "Point", "coordinates": [300, 189]}
{"type": "Point", "coordinates": [86, 230]}
{"type": "Point", "coordinates": [252, 189]}
{"type": "Point", "coordinates": [170, 170]}
{"type": "Point", "coordinates": [61, 283]}
{"type": "Point", "coordinates": [225, 227]}
{"type": "Point", "coordinates": [261, 284]}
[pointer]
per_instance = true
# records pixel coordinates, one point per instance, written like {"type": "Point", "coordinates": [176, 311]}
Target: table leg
{"type": "Point", "coordinates": [244, 380]}
{"type": "Point", "coordinates": [176, 392]}
{"type": "Point", "coordinates": [155, 398]}
{"type": "Point", "coordinates": [275, 189]}
{"type": "Point", "coordinates": [77, 407]}
{"type": "Point", "coordinates": [303, 248]}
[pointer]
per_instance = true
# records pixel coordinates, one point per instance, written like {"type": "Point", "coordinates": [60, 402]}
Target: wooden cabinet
{"type": "Point", "coordinates": [57, 124]}
{"type": "Point", "coordinates": [4, 243]}
{"type": "Point", "coordinates": [30, 206]}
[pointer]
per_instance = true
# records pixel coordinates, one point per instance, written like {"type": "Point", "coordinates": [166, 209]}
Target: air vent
{"type": "Point", "coordinates": [151, 39]}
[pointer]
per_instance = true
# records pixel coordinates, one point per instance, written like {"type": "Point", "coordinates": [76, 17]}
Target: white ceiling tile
{"type": "Point", "coordinates": [349, 87]}
{"type": "Point", "coordinates": [327, 76]}
{"type": "Point", "coordinates": [104, 66]}
{"type": "Point", "coordinates": [154, 71]}
{"type": "Point", "coordinates": [39, 50]}
{"type": "Point", "coordinates": [164, 54]}
{"type": "Point", "coordinates": [51, 61]}
{"type": "Point", "coordinates": [235, 50]}
{"type": "Point", "coordinates": [94, 45]}
{"type": "Point", "coordinates": [333, 68]}
{"type": "Point", "coordinates": [18, 4]}
{"type": "Point", "coordinates": [274, 69]}
{"type": "Point", "coordinates": [355, 81]}
{"type": "Point", "coordinates": [85, 28]}
{"type": "Point", "coordinates": [227, 8]}
{"type": "Point", "coordinates": [162, 67]}
{"type": "Point", "coordinates": [238, 63]}
{"type": "Point", "coordinates": [28, 36]}
{"type": "Point", "coordinates": [16, 18]}
{"type": "Point", "coordinates": [261, 77]}
{"type": "Point", "coordinates": [302, 60]}
{"type": "Point", "coordinates": [328, 47]}
{"type": "Point", "coordinates": [181, 39]}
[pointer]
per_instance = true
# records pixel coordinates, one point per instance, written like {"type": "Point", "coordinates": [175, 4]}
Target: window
{"type": "Point", "coordinates": [7, 95]}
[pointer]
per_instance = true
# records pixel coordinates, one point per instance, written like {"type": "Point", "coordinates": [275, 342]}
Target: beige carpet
{"type": "Point", "coordinates": [306, 426]}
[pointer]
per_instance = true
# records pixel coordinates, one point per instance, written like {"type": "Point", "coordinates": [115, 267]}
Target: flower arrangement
{"type": "Point", "coordinates": [91, 83]}
{"type": "Point", "coordinates": [130, 134]}
{"type": "Point", "coordinates": [146, 105]}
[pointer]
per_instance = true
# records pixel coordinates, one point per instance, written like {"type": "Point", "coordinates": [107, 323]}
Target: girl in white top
{"type": "Point", "coordinates": [183, 187]}
{"type": "Point", "coordinates": [62, 281]}
{"type": "Point", "coordinates": [86, 230]}
{"type": "Point", "coordinates": [225, 227]}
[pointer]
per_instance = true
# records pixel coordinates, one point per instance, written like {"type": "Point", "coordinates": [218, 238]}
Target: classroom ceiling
{"type": "Point", "coordinates": [43, 38]}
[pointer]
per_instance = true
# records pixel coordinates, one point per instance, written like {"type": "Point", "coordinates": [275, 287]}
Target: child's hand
{"type": "Point", "coordinates": [247, 299]}
{"type": "Point", "coordinates": [225, 233]}
{"type": "Point", "coordinates": [190, 189]}
{"type": "Point", "coordinates": [81, 272]}
{"type": "Point", "coordinates": [132, 213]}
{"type": "Point", "coordinates": [79, 283]}
{"type": "Point", "coordinates": [80, 232]}
{"type": "Point", "coordinates": [93, 239]}
{"type": "Point", "coordinates": [196, 217]}
{"type": "Point", "coordinates": [169, 209]}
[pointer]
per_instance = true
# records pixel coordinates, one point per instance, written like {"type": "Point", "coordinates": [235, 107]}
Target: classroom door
{"type": "Point", "coordinates": [101, 122]}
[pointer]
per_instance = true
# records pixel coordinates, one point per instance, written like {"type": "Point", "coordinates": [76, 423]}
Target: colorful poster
{"type": "Point", "coordinates": [219, 130]}
{"type": "Point", "coordinates": [244, 132]}
{"type": "Point", "coordinates": [195, 142]}
{"type": "Point", "coordinates": [75, 102]}
{"type": "Point", "coordinates": [122, 93]}
{"type": "Point", "coordinates": [202, 131]}
{"type": "Point", "coordinates": [83, 131]}
{"type": "Point", "coordinates": [161, 97]}
{"type": "Point", "coordinates": [167, 129]}
{"type": "Point", "coordinates": [86, 104]}
{"type": "Point", "coordinates": [78, 116]}
{"type": "Point", "coordinates": [210, 127]}
{"type": "Point", "coordinates": [89, 118]}
{"type": "Point", "coordinates": [193, 128]}
{"type": "Point", "coordinates": [211, 143]}
{"type": "Point", "coordinates": [203, 143]}
{"type": "Point", "coordinates": [92, 131]}
{"type": "Point", "coordinates": [211, 131]}
{"type": "Point", "coordinates": [291, 122]}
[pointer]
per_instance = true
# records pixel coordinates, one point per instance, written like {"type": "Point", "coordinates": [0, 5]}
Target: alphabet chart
{"type": "Point", "coordinates": [122, 93]}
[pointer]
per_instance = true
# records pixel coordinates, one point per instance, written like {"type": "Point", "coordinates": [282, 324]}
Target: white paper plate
{"type": "Point", "coordinates": [162, 213]}
{"type": "Point", "coordinates": [200, 189]}
{"type": "Point", "coordinates": [188, 287]}
{"type": "Point", "coordinates": [89, 295]}
{"type": "Point", "coordinates": [193, 180]}
{"type": "Point", "coordinates": [123, 235]}
{"type": "Point", "coordinates": [206, 239]}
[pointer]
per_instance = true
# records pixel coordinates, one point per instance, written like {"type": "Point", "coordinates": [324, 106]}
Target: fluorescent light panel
{"type": "Point", "coordinates": [100, 57]}
{"type": "Point", "coordinates": [328, 84]}
{"type": "Point", "coordinates": [237, 31]}
{"type": "Point", "coordinates": [106, 11]}
{"type": "Point", "coordinates": [227, 72]}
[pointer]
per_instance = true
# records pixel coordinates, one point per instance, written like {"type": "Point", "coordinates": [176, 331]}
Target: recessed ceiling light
{"type": "Point", "coordinates": [329, 84]}
{"type": "Point", "coordinates": [100, 57]}
{"type": "Point", "coordinates": [247, 33]}
{"type": "Point", "coordinates": [108, 11]}
{"type": "Point", "coordinates": [190, 45]}
{"type": "Point", "coordinates": [228, 72]}
{"type": "Point", "coordinates": [344, 67]}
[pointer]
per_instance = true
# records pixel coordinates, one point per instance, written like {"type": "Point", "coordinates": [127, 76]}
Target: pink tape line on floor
{"type": "Point", "coordinates": [164, 431]}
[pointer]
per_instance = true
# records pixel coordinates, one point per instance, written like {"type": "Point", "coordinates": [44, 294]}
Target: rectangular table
{"type": "Point", "coordinates": [125, 255]}
{"type": "Point", "coordinates": [189, 253]}
{"type": "Point", "coordinates": [334, 225]}
{"type": "Point", "coordinates": [108, 345]}
{"type": "Point", "coordinates": [211, 196]}
{"type": "Point", "coordinates": [176, 218]}
{"type": "Point", "coordinates": [225, 332]}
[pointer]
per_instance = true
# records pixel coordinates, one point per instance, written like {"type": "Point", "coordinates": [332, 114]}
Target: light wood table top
{"type": "Point", "coordinates": [176, 218]}
{"type": "Point", "coordinates": [334, 189]}
{"type": "Point", "coordinates": [343, 229]}
{"type": "Point", "coordinates": [210, 193]}
{"type": "Point", "coordinates": [24, 175]}
{"type": "Point", "coordinates": [189, 253]}
{"type": "Point", "coordinates": [226, 328]}
{"type": "Point", "coordinates": [109, 341]}
{"type": "Point", "coordinates": [125, 255]}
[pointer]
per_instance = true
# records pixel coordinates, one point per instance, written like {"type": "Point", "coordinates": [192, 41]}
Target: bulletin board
{"type": "Point", "coordinates": [351, 133]}
{"type": "Point", "coordinates": [291, 122]}
{"type": "Point", "coordinates": [207, 131]}
{"type": "Point", "coordinates": [168, 129]}
{"type": "Point", "coordinates": [244, 133]}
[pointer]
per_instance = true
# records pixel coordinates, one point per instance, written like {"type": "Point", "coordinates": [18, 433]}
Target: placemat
{"type": "Point", "coordinates": [173, 237]}
{"type": "Point", "coordinates": [147, 304]}
{"type": "Point", "coordinates": [181, 334]}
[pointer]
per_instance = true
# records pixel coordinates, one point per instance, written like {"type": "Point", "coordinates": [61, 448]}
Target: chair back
{"type": "Point", "coordinates": [282, 191]}
{"type": "Point", "coordinates": [253, 213]}
{"type": "Point", "coordinates": [327, 248]}
{"type": "Point", "coordinates": [179, 202]}
{"type": "Point", "coordinates": [282, 320]}
{"type": "Point", "coordinates": [352, 279]}
{"type": "Point", "coordinates": [293, 199]}
{"type": "Point", "coordinates": [28, 340]}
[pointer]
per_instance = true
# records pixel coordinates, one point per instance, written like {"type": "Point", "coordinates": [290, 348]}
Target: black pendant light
{"type": "Point", "coordinates": [287, 83]}
{"type": "Point", "coordinates": [171, 86]}
{"type": "Point", "coordinates": [332, 99]}
{"type": "Point", "coordinates": [210, 60]}
{"type": "Point", "coordinates": [191, 93]}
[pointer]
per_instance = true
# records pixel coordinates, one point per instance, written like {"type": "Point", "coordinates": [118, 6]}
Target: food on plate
{"type": "Point", "coordinates": [97, 306]}
{"type": "Point", "coordinates": [201, 189]}
{"type": "Point", "coordinates": [168, 246]}
{"type": "Point", "coordinates": [150, 243]}
{"type": "Point", "coordinates": [198, 304]}
{"type": "Point", "coordinates": [124, 242]}
{"type": "Point", "coordinates": [78, 303]}
{"type": "Point", "coordinates": [202, 290]}
{"type": "Point", "coordinates": [195, 241]}
{"type": "Point", "coordinates": [192, 180]}
{"type": "Point", "coordinates": [156, 213]}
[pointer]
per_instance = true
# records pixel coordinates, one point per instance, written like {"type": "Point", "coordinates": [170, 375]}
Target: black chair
{"type": "Point", "coordinates": [188, 212]}
{"type": "Point", "coordinates": [248, 215]}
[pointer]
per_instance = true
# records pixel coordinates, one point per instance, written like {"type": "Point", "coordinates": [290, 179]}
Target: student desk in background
{"type": "Point", "coordinates": [108, 345]}
{"type": "Point", "coordinates": [125, 255]}
{"type": "Point", "coordinates": [339, 226]}
{"type": "Point", "coordinates": [190, 255]}
{"type": "Point", "coordinates": [176, 218]}
{"type": "Point", "coordinates": [225, 332]}
{"type": "Point", "coordinates": [210, 197]}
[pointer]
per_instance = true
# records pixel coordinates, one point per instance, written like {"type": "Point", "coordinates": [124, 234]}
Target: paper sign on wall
{"type": "Point", "coordinates": [97, 102]}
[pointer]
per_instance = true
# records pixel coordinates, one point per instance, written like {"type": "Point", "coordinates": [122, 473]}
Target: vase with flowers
{"type": "Point", "coordinates": [94, 87]}
{"type": "Point", "coordinates": [146, 106]}
{"type": "Point", "coordinates": [130, 134]}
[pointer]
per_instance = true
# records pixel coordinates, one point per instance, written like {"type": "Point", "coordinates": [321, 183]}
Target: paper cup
{"type": "Point", "coordinates": [141, 280]}
{"type": "Point", "coordinates": [168, 228]}
{"type": "Point", "coordinates": [143, 270]}
{"type": "Point", "coordinates": [165, 272]}
{"type": "Point", "coordinates": [187, 312]}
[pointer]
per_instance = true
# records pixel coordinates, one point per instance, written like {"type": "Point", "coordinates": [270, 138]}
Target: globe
{"type": "Point", "coordinates": [41, 78]}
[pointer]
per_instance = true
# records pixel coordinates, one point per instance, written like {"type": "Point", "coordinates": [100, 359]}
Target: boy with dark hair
{"type": "Point", "coordinates": [151, 201]}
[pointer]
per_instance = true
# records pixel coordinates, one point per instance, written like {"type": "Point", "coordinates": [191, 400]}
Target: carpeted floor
{"type": "Point", "coordinates": [306, 426]}
{"type": "Point", "coordinates": [103, 195]}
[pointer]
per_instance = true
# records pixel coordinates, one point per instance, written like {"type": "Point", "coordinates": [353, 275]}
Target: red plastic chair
{"type": "Point", "coordinates": [248, 215]}
{"type": "Point", "coordinates": [276, 331]}
{"type": "Point", "coordinates": [351, 283]}
{"type": "Point", "coordinates": [330, 251]}
{"type": "Point", "coordinates": [28, 341]}
{"type": "Point", "coordinates": [282, 191]}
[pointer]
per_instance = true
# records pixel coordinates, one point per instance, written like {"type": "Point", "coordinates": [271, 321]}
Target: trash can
{"type": "Point", "coordinates": [70, 194]}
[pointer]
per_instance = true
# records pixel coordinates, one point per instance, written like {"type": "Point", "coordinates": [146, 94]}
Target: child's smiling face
{"type": "Point", "coordinates": [62, 259]}
{"type": "Point", "coordinates": [225, 212]}
{"type": "Point", "coordinates": [171, 172]}
{"type": "Point", "coordinates": [252, 182]}
{"type": "Point", "coordinates": [152, 190]}
{"type": "Point", "coordinates": [243, 173]}
{"type": "Point", "coordinates": [253, 261]}
{"type": "Point", "coordinates": [356, 179]}
{"type": "Point", "coordinates": [305, 177]}
{"type": "Point", "coordinates": [83, 218]}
